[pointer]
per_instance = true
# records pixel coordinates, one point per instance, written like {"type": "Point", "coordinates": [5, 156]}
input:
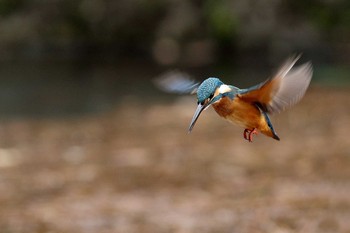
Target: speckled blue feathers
{"type": "Point", "coordinates": [207, 88]}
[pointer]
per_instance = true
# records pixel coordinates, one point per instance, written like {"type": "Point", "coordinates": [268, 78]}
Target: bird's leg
{"type": "Point", "coordinates": [251, 133]}
{"type": "Point", "coordinates": [248, 134]}
{"type": "Point", "coordinates": [245, 134]}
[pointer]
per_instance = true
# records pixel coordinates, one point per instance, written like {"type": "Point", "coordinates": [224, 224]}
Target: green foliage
{"type": "Point", "coordinates": [133, 26]}
{"type": "Point", "coordinates": [221, 20]}
{"type": "Point", "coordinates": [9, 6]}
{"type": "Point", "coordinates": [327, 16]}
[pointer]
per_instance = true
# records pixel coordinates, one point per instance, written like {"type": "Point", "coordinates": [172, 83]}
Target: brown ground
{"type": "Point", "coordinates": [137, 170]}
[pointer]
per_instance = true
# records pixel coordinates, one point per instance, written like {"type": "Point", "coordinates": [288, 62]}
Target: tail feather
{"type": "Point", "coordinates": [271, 131]}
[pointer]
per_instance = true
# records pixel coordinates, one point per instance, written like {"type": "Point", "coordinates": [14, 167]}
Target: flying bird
{"type": "Point", "coordinates": [250, 107]}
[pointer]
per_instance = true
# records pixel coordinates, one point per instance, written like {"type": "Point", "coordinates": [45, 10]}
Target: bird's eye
{"type": "Point", "coordinates": [211, 96]}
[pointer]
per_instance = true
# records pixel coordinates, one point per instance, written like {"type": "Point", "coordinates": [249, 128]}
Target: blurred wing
{"type": "Point", "coordinates": [285, 89]}
{"type": "Point", "coordinates": [176, 82]}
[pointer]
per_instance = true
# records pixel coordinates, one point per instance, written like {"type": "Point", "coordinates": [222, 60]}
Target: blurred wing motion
{"type": "Point", "coordinates": [176, 82]}
{"type": "Point", "coordinates": [285, 89]}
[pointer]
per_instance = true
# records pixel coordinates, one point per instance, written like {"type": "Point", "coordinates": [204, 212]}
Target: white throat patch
{"type": "Point", "coordinates": [224, 88]}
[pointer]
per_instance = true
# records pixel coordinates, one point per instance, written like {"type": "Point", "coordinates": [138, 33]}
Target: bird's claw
{"type": "Point", "coordinates": [248, 134]}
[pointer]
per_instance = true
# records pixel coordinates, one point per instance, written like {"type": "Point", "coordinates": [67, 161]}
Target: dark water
{"type": "Point", "coordinates": [54, 89]}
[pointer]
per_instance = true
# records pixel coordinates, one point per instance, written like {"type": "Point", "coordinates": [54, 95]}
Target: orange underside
{"type": "Point", "coordinates": [242, 113]}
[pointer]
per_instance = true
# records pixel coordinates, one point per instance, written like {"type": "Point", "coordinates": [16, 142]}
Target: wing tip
{"type": "Point", "coordinates": [288, 65]}
{"type": "Point", "coordinates": [175, 81]}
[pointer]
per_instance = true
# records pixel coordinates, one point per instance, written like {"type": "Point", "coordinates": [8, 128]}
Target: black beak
{"type": "Point", "coordinates": [198, 111]}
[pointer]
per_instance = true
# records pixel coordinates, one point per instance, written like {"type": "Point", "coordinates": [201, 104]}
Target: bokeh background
{"type": "Point", "coordinates": [88, 144]}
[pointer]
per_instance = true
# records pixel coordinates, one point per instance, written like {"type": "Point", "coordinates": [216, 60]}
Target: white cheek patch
{"type": "Point", "coordinates": [224, 88]}
{"type": "Point", "coordinates": [221, 90]}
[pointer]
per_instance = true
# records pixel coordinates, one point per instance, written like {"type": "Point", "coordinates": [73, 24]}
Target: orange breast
{"type": "Point", "coordinates": [240, 112]}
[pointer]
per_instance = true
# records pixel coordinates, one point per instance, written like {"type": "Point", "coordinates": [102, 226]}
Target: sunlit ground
{"type": "Point", "coordinates": [136, 169]}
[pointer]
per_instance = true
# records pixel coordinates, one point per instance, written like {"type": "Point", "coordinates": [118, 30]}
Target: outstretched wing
{"type": "Point", "coordinates": [285, 89]}
{"type": "Point", "coordinates": [176, 82]}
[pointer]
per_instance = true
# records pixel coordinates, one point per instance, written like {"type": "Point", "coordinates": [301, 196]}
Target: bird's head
{"type": "Point", "coordinates": [206, 95]}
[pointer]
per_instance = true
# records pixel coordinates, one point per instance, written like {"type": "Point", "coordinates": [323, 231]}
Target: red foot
{"type": "Point", "coordinates": [248, 134]}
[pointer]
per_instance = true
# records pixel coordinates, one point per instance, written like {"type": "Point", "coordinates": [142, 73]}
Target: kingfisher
{"type": "Point", "coordinates": [249, 107]}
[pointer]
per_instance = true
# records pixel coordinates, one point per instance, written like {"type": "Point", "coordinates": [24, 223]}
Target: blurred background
{"type": "Point", "coordinates": [88, 144]}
